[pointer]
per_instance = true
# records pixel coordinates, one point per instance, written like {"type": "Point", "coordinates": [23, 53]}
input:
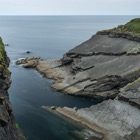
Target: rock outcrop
{"type": "Point", "coordinates": [9, 129]}
{"type": "Point", "coordinates": [107, 67]}
{"type": "Point", "coordinates": [116, 120]}
{"type": "Point", "coordinates": [28, 62]}
{"type": "Point", "coordinates": [130, 31]}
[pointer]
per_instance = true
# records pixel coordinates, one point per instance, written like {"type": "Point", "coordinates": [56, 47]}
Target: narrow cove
{"type": "Point", "coordinates": [33, 92]}
{"type": "Point", "coordinates": [29, 90]}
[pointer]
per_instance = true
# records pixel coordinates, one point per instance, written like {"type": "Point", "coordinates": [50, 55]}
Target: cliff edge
{"type": "Point", "coordinates": [9, 129]}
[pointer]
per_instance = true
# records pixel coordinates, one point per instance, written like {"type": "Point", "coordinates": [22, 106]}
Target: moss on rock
{"type": "Point", "coordinates": [1, 50]}
{"type": "Point", "coordinates": [4, 61]}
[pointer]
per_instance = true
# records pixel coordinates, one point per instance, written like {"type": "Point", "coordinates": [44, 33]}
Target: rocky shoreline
{"type": "Point", "coordinates": [9, 129]}
{"type": "Point", "coordinates": [105, 67]}
{"type": "Point", "coordinates": [71, 114]}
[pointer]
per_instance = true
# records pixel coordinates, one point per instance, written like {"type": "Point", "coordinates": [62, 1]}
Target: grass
{"type": "Point", "coordinates": [134, 23]}
{"type": "Point", "coordinates": [131, 28]}
{"type": "Point", "coordinates": [17, 126]}
{"type": "Point", "coordinates": [3, 59]}
{"type": "Point", "coordinates": [1, 50]}
{"type": "Point", "coordinates": [1, 54]}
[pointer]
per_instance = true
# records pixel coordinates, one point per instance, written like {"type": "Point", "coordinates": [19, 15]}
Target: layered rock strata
{"type": "Point", "coordinates": [107, 67]}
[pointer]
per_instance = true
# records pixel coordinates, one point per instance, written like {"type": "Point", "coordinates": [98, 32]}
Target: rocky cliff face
{"type": "Point", "coordinates": [9, 129]}
{"type": "Point", "coordinates": [107, 67]}
{"type": "Point", "coordinates": [109, 62]}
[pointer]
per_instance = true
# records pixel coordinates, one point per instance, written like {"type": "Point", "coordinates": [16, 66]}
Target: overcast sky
{"type": "Point", "coordinates": [69, 7]}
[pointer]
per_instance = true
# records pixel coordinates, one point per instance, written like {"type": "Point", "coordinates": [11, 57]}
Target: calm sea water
{"type": "Point", "coordinates": [49, 37]}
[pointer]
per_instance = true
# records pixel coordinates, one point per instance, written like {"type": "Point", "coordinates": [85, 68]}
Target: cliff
{"type": "Point", "coordinates": [130, 31]}
{"type": "Point", "coordinates": [105, 67]}
{"type": "Point", "coordinates": [9, 129]}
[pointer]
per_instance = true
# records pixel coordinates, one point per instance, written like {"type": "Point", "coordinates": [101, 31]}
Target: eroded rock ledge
{"type": "Point", "coordinates": [107, 67]}
{"type": "Point", "coordinates": [9, 129]}
{"type": "Point", "coordinates": [130, 31]}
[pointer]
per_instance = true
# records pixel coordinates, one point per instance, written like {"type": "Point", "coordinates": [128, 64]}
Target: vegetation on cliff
{"type": "Point", "coordinates": [1, 53]}
{"type": "Point", "coordinates": [9, 129]}
{"type": "Point", "coordinates": [1, 49]}
{"type": "Point", "coordinates": [131, 29]}
{"type": "Point", "coordinates": [133, 26]}
{"type": "Point", "coordinates": [4, 61]}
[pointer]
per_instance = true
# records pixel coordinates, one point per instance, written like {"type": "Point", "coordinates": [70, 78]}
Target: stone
{"type": "Point", "coordinates": [6, 45]}
{"type": "Point", "coordinates": [28, 62]}
{"type": "Point", "coordinates": [4, 116]}
{"type": "Point", "coordinates": [28, 52]}
{"type": "Point", "coordinates": [53, 107]}
{"type": "Point", "coordinates": [115, 116]}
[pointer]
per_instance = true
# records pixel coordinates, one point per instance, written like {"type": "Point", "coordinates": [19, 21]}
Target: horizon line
{"type": "Point", "coordinates": [68, 15]}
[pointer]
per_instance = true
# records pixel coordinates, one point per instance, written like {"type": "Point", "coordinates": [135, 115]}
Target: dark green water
{"type": "Point", "coordinates": [49, 37]}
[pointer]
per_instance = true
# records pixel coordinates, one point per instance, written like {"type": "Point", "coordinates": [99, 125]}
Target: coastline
{"type": "Point", "coordinates": [104, 67]}
{"type": "Point", "coordinates": [111, 119]}
{"type": "Point", "coordinates": [9, 128]}
{"type": "Point", "coordinates": [71, 114]}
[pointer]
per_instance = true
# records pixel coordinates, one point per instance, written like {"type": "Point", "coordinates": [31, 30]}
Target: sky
{"type": "Point", "coordinates": [69, 7]}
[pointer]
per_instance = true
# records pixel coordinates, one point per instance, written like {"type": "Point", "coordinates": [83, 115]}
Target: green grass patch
{"type": "Point", "coordinates": [17, 126]}
{"type": "Point", "coordinates": [131, 28]}
{"type": "Point", "coordinates": [3, 60]}
{"type": "Point", "coordinates": [1, 50]}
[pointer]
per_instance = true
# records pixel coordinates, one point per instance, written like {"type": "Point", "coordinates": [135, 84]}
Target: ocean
{"type": "Point", "coordinates": [48, 37]}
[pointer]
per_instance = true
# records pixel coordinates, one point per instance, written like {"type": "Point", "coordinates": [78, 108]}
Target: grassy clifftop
{"type": "Point", "coordinates": [4, 61]}
{"type": "Point", "coordinates": [1, 50]}
{"type": "Point", "coordinates": [131, 29]}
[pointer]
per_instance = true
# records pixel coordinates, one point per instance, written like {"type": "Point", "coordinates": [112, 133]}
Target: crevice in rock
{"type": "Point", "coordinates": [119, 35]}
{"type": "Point", "coordinates": [3, 123]}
